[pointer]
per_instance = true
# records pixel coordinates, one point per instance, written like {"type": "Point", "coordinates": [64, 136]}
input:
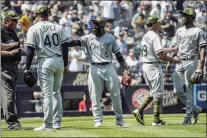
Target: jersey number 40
{"type": "Point", "coordinates": [144, 51]}
{"type": "Point", "coordinates": [55, 40]}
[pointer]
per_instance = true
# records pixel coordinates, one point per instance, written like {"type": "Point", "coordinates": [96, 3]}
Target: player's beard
{"type": "Point", "coordinates": [98, 31]}
{"type": "Point", "coordinates": [184, 20]}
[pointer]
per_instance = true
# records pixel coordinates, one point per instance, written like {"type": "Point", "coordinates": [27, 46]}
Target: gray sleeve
{"type": "Point", "coordinates": [84, 41]}
{"type": "Point", "coordinates": [63, 36]}
{"type": "Point", "coordinates": [157, 46]}
{"type": "Point", "coordinates": [202, 39]}
{"type": "Point", "coordinates": [31, 39]}
{"type": "Point", "coordinates": [115, 47]}
{"type": "Point", "coordinates": [174, 40]}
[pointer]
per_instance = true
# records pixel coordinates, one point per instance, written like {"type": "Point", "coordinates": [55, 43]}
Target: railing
{"type": "Point", "coordinates": [22, 89]}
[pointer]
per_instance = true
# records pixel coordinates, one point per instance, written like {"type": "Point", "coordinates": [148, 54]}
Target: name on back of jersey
{"type": "Point", "coordinates": [48, 28]}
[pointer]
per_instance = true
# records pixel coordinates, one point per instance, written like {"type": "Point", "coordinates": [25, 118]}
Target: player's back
{"type": "Point", "coordinates": [48, 38]}
{"type": "Point", "coordinates": [150, 46]}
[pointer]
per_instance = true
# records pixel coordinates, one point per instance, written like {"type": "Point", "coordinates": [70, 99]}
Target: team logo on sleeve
{"type": "Point", "coordinates": [139, 96]}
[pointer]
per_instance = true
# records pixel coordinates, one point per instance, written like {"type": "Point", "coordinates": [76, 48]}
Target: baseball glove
{"type": "Point", "coordinates": [197, 76]}
{"type": "Point", "coordinates": [126, 79]}
{"type": "Point", "coordinates": [29, 78]}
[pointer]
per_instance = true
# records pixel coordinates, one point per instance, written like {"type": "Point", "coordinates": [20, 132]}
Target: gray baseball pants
{"type": "Point", "coordinates": [50, 71]}
{"type": "Point", "coordinates": [182, 74]}
{"type": "Point", "coordinates": [98, 76]}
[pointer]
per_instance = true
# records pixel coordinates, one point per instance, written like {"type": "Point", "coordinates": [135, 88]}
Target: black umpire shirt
{"type": "Point", "coordinates": [10, 36]}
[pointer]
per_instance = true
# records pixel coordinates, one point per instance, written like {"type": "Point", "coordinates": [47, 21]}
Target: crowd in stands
{"type": "Point", "coordinates": [125, 20]}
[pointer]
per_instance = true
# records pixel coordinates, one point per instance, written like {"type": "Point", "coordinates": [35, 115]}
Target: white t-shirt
{"type": "Point", "coordinates": [108, 11]}
{"type": "Point", "coordinates": [75, 64]}
{"type": "Point", "coordinates": [67, 26]}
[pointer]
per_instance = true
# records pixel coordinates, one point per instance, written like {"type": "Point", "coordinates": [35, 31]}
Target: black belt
{"type": "Point", "coordinates": [102, 63]}
{"type": "Point", "coordinates": [187, 58]}
{"type": "Point", "coordinates": [151, 62]}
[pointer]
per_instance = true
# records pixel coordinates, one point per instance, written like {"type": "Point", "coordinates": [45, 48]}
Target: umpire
{"type": "Point", "coordinates": [9, 64]}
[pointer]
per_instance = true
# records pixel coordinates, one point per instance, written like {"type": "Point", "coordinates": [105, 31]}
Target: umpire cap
{"type": "Point", "coordinates": [152, 20]}
{"type": "Point", "coordinates": [189, 11]}
{"type": "Point", "coordinates": [9, 15]}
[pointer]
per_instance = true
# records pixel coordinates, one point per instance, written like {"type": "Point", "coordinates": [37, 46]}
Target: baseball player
{"type": "Point", "coordinates": [190, 40]}
{"type": "Point", "coordinates": [152, 53]}
{"type": "Point", "coordinates": [48, 39]}
{"type": "Point", "coordinates": [100, 47]}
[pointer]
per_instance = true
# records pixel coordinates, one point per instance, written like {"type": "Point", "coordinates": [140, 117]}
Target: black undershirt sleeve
{"type": "Point", "coordinates": [121, 60]}
{"type": "Point", "coordinates": [30, 55]}
{"type": "Point", "coordinates": [65, 53]}
{"type": "Point", "coordinates": [73, 43]}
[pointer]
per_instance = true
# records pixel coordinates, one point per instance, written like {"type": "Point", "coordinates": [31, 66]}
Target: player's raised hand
{"type": "Point", "coordinates": [176, 60]}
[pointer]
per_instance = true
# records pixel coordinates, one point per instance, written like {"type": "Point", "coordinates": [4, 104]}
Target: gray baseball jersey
{"type": "Point", "coordinates": [100, 49]}
{"type": "Point", "coordinates": [150, 45]}
{"type": "Point", "coordinates": [47, 38]}
{"type": "Point", "coordinates": [189, 40]}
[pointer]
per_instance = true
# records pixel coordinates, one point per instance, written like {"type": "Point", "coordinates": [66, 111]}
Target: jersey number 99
{"type": "Point", "coordinates": [55, 40]}
{"type": "Point", "coordinates": [144, 51]}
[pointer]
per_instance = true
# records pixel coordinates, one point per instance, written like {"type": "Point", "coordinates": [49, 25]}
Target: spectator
{"type": "Point", "coordinates": [135, 67]}
{"type": "Point", "coordinates": [128, 38]}
{"type": "Point", "coordinates": [76, 56]}
{"type": "Point", "coordinates": [16, 6]}
{"type": "Point", "coordinates": [109, 28]}
{"type": "Point", "coordinates": [201, 18]}
{"type": "Point", "coordinates": [122, 44]}
{"type": "Point", "coordinates": [75, 18]}
{"type": "Point", "coordinates": [66, 24]}
{"type": "Point", "coordinates": [138, 24]}
{"type": "Point", "coordinates": [156, 11]}
{"type": "Point", "coordinates": [87, 18]}
{"type": "Point", "coordinates": [117, 12]}
{"type": "Point", "coordinates": [128, 11]}
{"type": "Point", "coordinates": [107, 10]}
{"type": "Point", "coordinates": [96, 7]}
{"type": "Point", "coordinates": [119, 29]}
{"type": "Point", "coordinates": [25, 21]}
{"type": "Point", "coordinates": [166, 42]}
{"type": "Point", "coordinates": [38, 104]}
{"type": "Point", "coordinates": [169, 23]}
{"type": "Point", "coordinates": [82, 105]}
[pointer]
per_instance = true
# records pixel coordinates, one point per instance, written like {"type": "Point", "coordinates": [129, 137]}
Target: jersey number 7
{"type": "Point", "coordinates": [55, 40]}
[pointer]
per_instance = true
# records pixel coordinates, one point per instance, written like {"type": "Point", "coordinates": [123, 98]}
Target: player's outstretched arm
{"type": "Point", "coordinates": [65, 55]}
{"type": "Point", "coordinates": [163, 57]}
{"type": "Point", "coordinates": [169, 50]}
{"type": "Point", "coordinates": [73, 43]}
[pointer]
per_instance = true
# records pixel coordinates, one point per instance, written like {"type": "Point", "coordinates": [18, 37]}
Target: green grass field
{"type": "Point", "coordinates": [84, 127]}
